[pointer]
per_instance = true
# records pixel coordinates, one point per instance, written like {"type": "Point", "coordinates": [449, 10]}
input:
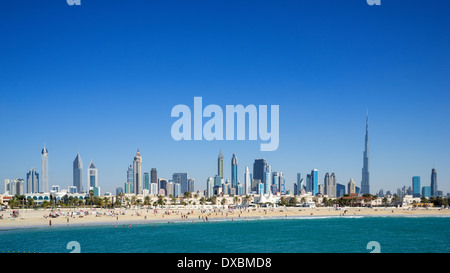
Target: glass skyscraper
{"type": "Point", "coordinates": [365, 186]}
{"type": "Point", "coordinates": [433, 185]}
{"type": "Point", "coordinates": [315, 181]}
{"type": "Point", "coordinates": [416, 186]}
{"type": "Point", "coordinates": [78, 173]}
{"type": "Point", "coordinates": [182, 179]}
{"type": "Point", "coordinates": [32, 181]}
{"type": "Point", "coordinates": [92, 175]}
{"type": "Point", "coordinates": [234, 172]}
{"type": "Point", "coordinates": [259, 169]}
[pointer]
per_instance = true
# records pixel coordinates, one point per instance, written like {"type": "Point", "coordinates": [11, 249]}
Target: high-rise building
{"type": "Point", "coordinates": [315, 181]}
{"type": "Point", "coordinates": [433, 185]}
{"type": "Point", "coordinates": [176, 189]}
{"type": "Point", "coordinates": [137, 173]}
{"type": "Point", "coordinates": [163, 184]}
{"type": "Point", "coordinates": [309, 187]}
{"type": "Point", "coordinates": [130, 178]}
{"type": "Point", "coordinates": [5, 186]}
{"type": "Point", "coordinates": [234, 172]}
{"type": "Point", "coordinates": [247, 181]}
{"type": "Point", "coordinates": [351, 186]}
{"type": "Point", "coordinates": [426, 191]}
{"type": "Point", "coordinates": [128, 187]}
{"type": "Point", "coordinates": [32, 181]}
{"type": "Point", "coordinates": [191, 185]}
{"type": "Point", "coordinates": [301, 185]}
{"type": "Point", "coordinates": [218, 181]}
{"type": "Point", "coordinates": [78, 173]}
{"type": "Point", "coordinates": [153, 176]}
{"type": "Point", "coordinates": [340, 190]}
{"type": "Point", "coordinates": [146, 180]}
{"type": "Point", "coordinates": [330, 185]}
{"type": "Point", "coordinates": [182, 179]}
{"type": "Point", "coordinates": [220, 165]}
{"type": "Point", "coordinates": [259, 170]}
{"type": "Point", "coordinates": [153, 188]}
{"type": "Point", "coordinates": [209, 187]}
{"type": "Point", "coordinates": [266, 181]}
{"type": "Point", "coordinates": [92, 175]}
{"type": "Point", "coordinates": [365, 185]}
{"type": "Point", "coordinates": [416, 186]}
{"type": "Point", "coordinates": [16, 186]}
{"type": "Point", "coordinates": [281, 183]}
{"type": "Point", "coordinates": [44, 173]}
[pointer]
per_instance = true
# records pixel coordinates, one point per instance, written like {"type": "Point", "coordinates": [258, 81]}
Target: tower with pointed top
{"type": "Point", "coordinates": [137, 173]}
{"type": "Point", "coordinates": [78, 173]}
{"type": "Point", "coordinates": [365, 186]}
{"type": "Point", "coordinates": [234, 172]}
{"type": "Point", "coordinates": [92, 175]}
{"type": "Point", "coordinates": [44, 172]}
{"type": "Point", "coordinates": [220, 165]}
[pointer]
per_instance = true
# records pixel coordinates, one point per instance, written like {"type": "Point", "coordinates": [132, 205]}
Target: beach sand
{"type": "Point", "coordinates": [88, 216]}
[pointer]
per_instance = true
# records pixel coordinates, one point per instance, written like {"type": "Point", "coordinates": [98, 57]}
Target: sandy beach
{"type": "Point", "coordinates": [88, 216]}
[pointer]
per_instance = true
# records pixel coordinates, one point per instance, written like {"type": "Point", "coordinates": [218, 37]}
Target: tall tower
{"type": "Point", "coordinates": [247, 181]}
{"type": "Point", "coordinates": [32, 182]}
{"type": "Point", "coordinates": [137, 173]}
{"type": "Point", "coordinates": [44, 173]}
{"type": "Point", "coordinates": [92, 175]}
{"type": "Point", "coordinates": [365, 186]}
{"type": "Point", "coordinates": [234, 172]}
{"type": "Point", "coordinates": [78, 173]}
{"type": "Point", "coordinates": [220, 165]}
{"type": "Point", "coordinates": [433, 184]}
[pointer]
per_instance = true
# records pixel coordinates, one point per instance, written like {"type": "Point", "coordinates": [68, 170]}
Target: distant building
{"type": "Point", "coordinates": [434, 185]}
{"type": "Point", "coordinates": [146, 180]}
{"type": "Point", "coordinates": [234, 172]}
{"type": "Point", "coordinates": [416, 186]}
{"type": "Point", "coordinates": [182, 179]}
{"type": "Point", "coordinates": [32, 181]}
{"type": "Point", "coordinates": [220, 165]}
{"type": "Point", "coordinates": [351, 186]}
{"type": "Point", "coordinates": [340, 190]}
{"type": "Point", "coordinates": [128, 187]}
{"type": "Point", "coordinates": [315, 181]}
{"type": "Point", "coordinates": [119, 190]}
{"type": "Point", "coordinates": [78, 174]}
{"type": "Point", "coordinates": [209, 187]}
{"type": "Point", "coordinates": [44, 178]}
{"type": "Point", "coordinates": [259, 169]}
{"type": "Point", "coordinates": [137, 173]}
{"type": "Point", "coordinates": [130, 178]}
{"type": "Point", "coordinates": [426, 191]}
{"type": "Point", "coordinates": [153, 188]}
{"type": "Point", "coordinates": [92, 175]}
{"type": "Point", "coordinates": [247, 182]}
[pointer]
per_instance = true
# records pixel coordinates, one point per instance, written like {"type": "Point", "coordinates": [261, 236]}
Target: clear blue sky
{"type": "Point", "coordinates": [103, 77]}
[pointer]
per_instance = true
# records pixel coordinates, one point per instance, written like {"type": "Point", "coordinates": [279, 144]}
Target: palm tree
{"type": "Point", "coordinates": [202, 201]}
{"type": "Point", "coordinates": [223, 202]}
{"type": "Point", "coordinates": [236, 199]}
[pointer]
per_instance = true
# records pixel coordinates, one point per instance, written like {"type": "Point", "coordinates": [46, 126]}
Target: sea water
{"type": "Point", "coordinates": [283, 235]}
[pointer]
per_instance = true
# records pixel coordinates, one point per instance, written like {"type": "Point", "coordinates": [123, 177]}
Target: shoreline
{"type": "Point", "coordinates": [31, 219]}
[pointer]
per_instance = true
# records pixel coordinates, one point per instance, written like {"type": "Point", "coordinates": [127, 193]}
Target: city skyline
{"type": "Point", "coordinates": [110, 89]}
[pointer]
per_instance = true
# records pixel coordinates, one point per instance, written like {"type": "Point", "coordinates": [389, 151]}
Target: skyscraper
{"type": "Point", "coordinates": [146, 180]}
{"type": "Point", "coordinates": [32, 181]}
{"type": "Point", "coordinates": [129, 185]}
{"type": "Point", "coordinates": [433, 185]}
{"type": "Point", "coordinates": [259, 170]}
{"type": "Point", "coordinates": [182, 179]}
{"type": "Point", "coordinates": [209, 187]}
{"type": "Point", "coordinates": [330, 185]}
{"type": "Point", "coordinates": [416, 186]}
{"type": "Point", "coordinates": [365, 186]}
{"type": "Point", "coordinates": [351, 186]}
{"type": "Point", "coordinates": [247, 181]}
{"type": "Point", "coordinates": [220, 165]}
{"type": "Point", "coordinates": [78, 173]}
{"type": "Point", "coordinates": [315, 181]}
{"type": "Point", "coordinates": [153, 176]}
{"type": "Point", "coordinates": [44, 173]}
{"type": "Point", "coordinates": [137, 173]}
{"type": "Point", "coordinates": [92, 175]}
{"type": "Point", "coordinates": [234, 172]}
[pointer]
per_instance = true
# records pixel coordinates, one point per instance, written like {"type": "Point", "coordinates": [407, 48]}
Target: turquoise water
{"type": "Point", "coordinates": [301, 235]}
